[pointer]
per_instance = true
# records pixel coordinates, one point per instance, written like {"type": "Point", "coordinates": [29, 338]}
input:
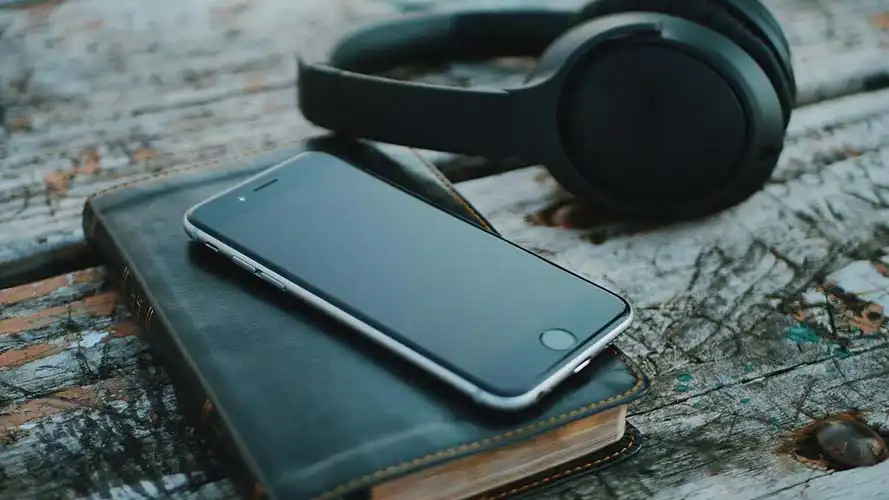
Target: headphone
{"type": "Point", "coordinates": [653, 108]}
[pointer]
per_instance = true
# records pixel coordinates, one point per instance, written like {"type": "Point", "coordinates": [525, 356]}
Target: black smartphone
{"type": "Point", "coordinates": [494, 320]}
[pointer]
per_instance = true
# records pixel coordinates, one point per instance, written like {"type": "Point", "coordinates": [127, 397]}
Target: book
{"type": "Point", "coordinates": [299, 407]}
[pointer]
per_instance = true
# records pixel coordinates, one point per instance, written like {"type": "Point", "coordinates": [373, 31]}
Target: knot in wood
{"type": "Point", "coordinates": [850, 443]}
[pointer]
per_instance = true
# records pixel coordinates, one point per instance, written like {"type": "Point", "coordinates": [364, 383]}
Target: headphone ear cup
{"type": "Point", "coordinates": [710, 14]}
{"type": "Point", "coordinates": [633, 123]}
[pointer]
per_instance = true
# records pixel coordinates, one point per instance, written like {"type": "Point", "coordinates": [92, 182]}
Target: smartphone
{"type": "Point", "coordinates": [479, 312]}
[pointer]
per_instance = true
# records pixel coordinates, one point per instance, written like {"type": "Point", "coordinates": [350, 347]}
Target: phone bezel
{"type": "Point", "coordinates": [480, 395]}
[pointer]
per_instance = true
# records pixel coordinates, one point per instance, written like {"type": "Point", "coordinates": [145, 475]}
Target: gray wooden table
{"type": "Point", "coordinates": [754, 325]}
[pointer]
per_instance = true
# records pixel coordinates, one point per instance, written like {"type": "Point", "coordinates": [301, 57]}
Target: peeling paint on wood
{"type": "Point", "coordinates": [752, 323]}
{"type": "Point", "coordinates": [881, 20]}
{"type": "Point", "coordinates": [86, 412]}
{"type": "Point", "coordinates": [43, 289]}
{"type": "Point", "coordinates": [713, 446]}
{"type": "Point", "coordinates": [16, 417]}
{"type": "Point", "coordinates": [96, 305]}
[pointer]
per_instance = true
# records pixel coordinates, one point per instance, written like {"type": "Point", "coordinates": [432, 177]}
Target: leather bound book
{"type": "Point", "coordinates": [298, 406]}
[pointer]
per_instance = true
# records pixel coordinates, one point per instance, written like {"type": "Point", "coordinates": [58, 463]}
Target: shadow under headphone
{"type": "Point", "coordinates": [654, 108]}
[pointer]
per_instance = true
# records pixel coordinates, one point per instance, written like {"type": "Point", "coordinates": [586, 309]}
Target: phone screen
{"type": "Point", "coordinates": [474, 303]}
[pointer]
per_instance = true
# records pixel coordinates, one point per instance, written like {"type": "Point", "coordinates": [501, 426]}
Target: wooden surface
{"type": "Point", "coordinates": [753, 324]}
{"type": "Point", "coordinates": [96, 91]}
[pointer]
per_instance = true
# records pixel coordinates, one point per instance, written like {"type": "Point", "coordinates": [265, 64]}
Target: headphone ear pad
{"type": "Point", "coordinates": [710, 14]}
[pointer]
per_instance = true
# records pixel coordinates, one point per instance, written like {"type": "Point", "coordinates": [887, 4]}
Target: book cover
{"type": "Point", "coordinates": [301, 408]}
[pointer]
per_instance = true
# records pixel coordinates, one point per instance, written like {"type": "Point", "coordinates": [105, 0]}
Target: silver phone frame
{"type": "Point", "coordinates": [479, 395]}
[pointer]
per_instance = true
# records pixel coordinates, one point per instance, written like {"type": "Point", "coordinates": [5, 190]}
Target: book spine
{"type": "Point", "coordinates": [194, 403]}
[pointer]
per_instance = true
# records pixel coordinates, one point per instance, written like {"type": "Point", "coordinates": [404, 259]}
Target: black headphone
{"type": "Point", "coordinates": [656, 108]}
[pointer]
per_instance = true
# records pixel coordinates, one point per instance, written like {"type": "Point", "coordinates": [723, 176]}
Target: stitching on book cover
{"type": "Point", "coordinates": [394, 469]}
{"type": "Point", "coordinates": [259, 490]}
{"type": "Point", "coordinates": [220, 162]}
{"type": "Point", "coordinates": [226, 160]}
{"type": "Point", "coordinates": [566, 472]}
{"type": "Point", "coordinates": [451, 189]}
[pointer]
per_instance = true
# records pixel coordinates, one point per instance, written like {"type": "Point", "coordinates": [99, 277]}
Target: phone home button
{"type": "Point", "coordinates": [558, 339]}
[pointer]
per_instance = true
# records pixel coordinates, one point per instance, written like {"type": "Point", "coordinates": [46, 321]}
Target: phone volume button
{"type": "Point", "coordinates": [277, 284]}
{"type": "Point", "coordinates": [240, 262]}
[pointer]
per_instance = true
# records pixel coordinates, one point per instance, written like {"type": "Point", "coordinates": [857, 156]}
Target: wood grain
{"type": "Point", "coordinates": [97, 91]}
{"type": "Point", "coordinates": [751, 323]}
{"type": "Point", "coordinates": [83, 409]}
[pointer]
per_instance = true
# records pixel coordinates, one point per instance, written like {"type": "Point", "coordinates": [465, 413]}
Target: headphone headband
{"type": "Point", "coordinates": [654, 107]}
{"type": "Point", "coordinates": [340, 95]}
{"type": "Point", "coordinates": [449, 36]}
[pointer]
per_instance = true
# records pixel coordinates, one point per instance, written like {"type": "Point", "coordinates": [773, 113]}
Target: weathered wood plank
{"type": "Point", "coordinates": [727, 443]}
{"type": "Point", "coordinates": [96, 91]}
{"type": "Point", "coordinates": [83, 410]}
{"type": "Point", "coordinates": [751, 322]}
